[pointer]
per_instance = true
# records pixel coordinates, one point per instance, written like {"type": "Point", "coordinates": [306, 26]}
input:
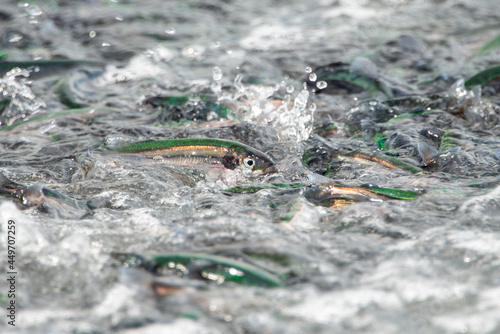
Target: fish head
{"type": "Point", "coordinates": [257, 162]}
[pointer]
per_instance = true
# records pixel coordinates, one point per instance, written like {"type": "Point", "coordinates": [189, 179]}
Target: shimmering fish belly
{"type": "Point", "coordinates": [187, 160]}
{"type": "Point", "coordinates": [188, 155]}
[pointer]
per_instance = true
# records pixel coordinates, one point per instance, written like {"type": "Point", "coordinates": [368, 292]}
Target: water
{"type": "Point", "coordinates": [255, 73]}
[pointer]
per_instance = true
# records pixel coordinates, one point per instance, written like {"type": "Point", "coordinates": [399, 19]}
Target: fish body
{"type": "Point", "coordinates": [202, 266]}
{"type": "Point", "coordinates": [336, 195]}
{"type": "Point", "coordinates": [37, 194]}
{"type": "Point", "coordinates": [192, 151]}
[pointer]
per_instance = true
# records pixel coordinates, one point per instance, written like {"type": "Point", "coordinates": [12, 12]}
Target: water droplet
{"type": "Point", "coordinates": [308, 69]}
{"type": "Point", "coordinates": [216, 73]}
{"type": "Point", "coordinates": [313, 77]}
{"type": "Point", "coordinates": [119, 18]}
{"type": "Point", "coordinates": [312, 107]}
{"type": "Point", "coordinates": [170, 31]}
{"type": "Point", "coordinates": [290, 89]}
{"type": "Point", "coordinates": [92, 34]}
{"type": "Point", "coordinates": [321, 84]}
{"type": "Point", "coordinates": [193, 52]}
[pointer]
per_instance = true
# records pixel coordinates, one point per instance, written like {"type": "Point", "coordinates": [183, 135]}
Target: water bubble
{"type": "Point", "coordinates": [119, 18]}
{"type": "Point", "coordinates": [313, 77]}
{"type": "Point", "coordinates": [290, 89]}
{"type": "Point", "coordinates": [193, 52]}
{"type": "Point", "coordinates": [216, 73]}
{"type": "Point", "coordinates": [321, 84]}
{"type": "Point", "coordinates": [308, 69]}
{"type": "Point", "coordinates": [312, 107]}
{"type": "Point", "coordinates": [170, 31]}
{"type": "Point", "coordinates": [92, 34]}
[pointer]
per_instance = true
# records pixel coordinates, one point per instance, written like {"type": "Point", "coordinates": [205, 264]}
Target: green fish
{"type": "Point", "coordinates": [203, 266]}
{"type": "Point", "coordinates": [193, 151]}
{"type": "Point", "coordinates": [37, 194]}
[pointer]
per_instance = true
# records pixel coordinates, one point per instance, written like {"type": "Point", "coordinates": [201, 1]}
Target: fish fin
{"type": "Point", "coordinates": [230, 162]}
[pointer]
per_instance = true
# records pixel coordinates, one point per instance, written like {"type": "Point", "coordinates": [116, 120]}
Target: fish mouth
{"type": "Point", "coordinates": [270, 169]}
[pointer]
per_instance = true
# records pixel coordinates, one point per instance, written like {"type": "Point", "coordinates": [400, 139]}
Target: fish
{"type": "Point", "coordinates": [37, 194]}
{"type": "Point", "coordinates": [203, 266]}
{"type": "Point", "coordinates": [193, 151]}
{"type": "Point", "coordinates": [336, 195]}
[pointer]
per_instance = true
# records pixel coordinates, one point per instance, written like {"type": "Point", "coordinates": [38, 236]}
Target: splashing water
{"type": "Point", "coordinates": [469, 103]}
{"type": "Point", "coordinates": [217, 77]}
{"type": "Point", "coordinates": [295, 124]}
{"type": "Point", "coordinates": [22, 102]}
{"type": "Point", "coordinates": [292, 119]}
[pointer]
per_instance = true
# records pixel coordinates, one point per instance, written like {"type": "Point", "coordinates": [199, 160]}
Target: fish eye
{"type": "Point", "coordinates": [249, 162]}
